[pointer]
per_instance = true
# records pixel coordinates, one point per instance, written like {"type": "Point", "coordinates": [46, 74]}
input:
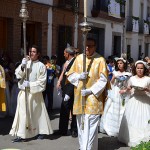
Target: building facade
{"type": "Point", "coordinates": [68, 14]}
{"type": "Point", "coordinates": [11, 32]}
{"type": "Point", "coordinates": [137, 28]}
{"type": "Point", "coordinates": [119, 26]}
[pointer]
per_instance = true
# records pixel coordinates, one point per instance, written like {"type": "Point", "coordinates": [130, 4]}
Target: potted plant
{"type": "Point", "coordinates": [142, 146]}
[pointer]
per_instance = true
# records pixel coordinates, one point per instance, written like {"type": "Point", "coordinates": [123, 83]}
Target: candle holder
{"type": "Point", "coordinates": [23, 12]}
{"type": "Point", "coordinates": [24, 16]}
{"type": "Point", "coordinates": [85, 27]}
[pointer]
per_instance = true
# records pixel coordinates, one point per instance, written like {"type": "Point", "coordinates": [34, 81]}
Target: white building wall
{"type": "Point", "coordinates": [137, 38]}
{"type": "Point", "coordinates": [134, 46]}
{"type": "Point", "coordinates": [110, 28]}
{"type": "Point", "coordinates": [136, 7]}
{"type": "Point", "coordinates": [108, 39]}
{"type": "Point", "coordinates": [145, 9]}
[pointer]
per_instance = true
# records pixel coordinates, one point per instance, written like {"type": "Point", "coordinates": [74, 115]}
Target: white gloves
{"type": "Point", "coordinates": [24, 62]}
{"type": "Point", "coordinates": [66, 98]}
{"type": "Point", "coordinates": [59, 92]}
{"type": "Point", "coordinates": [86, 92]}
{"type": "Point", "coordinates": [26, 84]}
{"type": "Point", "coordinates": [82, 76]}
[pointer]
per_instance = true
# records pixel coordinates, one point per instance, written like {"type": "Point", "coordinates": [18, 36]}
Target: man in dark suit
{"type": "Point", "coordinates": [67, 96]}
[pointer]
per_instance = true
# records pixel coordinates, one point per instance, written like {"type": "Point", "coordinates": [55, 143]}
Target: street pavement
{"type": "Point", "coordinates": [52, 142]}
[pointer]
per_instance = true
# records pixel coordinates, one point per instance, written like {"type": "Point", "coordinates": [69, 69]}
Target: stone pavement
{"type": "Point", "coordinates": [53, 142]}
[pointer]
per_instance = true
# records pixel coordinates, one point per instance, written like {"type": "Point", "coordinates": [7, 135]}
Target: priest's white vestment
{"type": "Point", "coordinates": [36, 120]}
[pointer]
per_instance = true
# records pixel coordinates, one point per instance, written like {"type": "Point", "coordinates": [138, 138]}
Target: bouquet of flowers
{"type": "Point", "coordinates": [51, 68]}
{"type": "Point", "coordinates": [121, 79]}
{"type": "Point", "coordinates": [121, 84]}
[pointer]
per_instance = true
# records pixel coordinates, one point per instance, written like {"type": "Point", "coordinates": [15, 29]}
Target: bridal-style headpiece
{"type": "Point", "coordinates": [123, 58]}
{"type": "Point", "coordinates": [141, 62]}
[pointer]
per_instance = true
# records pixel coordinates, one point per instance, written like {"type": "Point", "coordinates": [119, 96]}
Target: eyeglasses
{"type": "Point", "coordinates": [90, 46]}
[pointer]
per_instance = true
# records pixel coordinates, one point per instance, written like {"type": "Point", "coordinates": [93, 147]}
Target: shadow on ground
{"type": "Point", "coordinates": [5, 125]}
{"type": "Point", "coordinates": [109, 143]}
{"type": "Point", "coordinates": [6, 122]}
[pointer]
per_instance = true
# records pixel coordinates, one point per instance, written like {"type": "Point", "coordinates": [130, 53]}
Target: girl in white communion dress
{"type": "Point", "coordinates": [135, 125]}
{"type": "Point", "coordinates": [115, 104]}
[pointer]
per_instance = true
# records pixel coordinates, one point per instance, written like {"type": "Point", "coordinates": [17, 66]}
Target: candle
{"type": "Point", "coordinates": [85, 8]}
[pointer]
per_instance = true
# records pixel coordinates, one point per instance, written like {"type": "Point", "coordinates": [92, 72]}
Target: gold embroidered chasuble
{"type": "Point", "coordinates": [2, 90]}
{"type": "Point", "coordinates": [95, 65]}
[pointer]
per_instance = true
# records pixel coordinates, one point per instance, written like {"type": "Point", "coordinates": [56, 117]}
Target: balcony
{"type": "Point", "coordinates": [100, 5]}
{"type": "Point", "coordinates": [129, 25]}
{"type": "Point", "coordinates": [72, 5]}
{"type": "Point", "coordinates": [65, 3]}
{"type": "Point", "coordinates": [133, 24]}
{"type": "Point", "coordinates": [137, 25]}
{"type": "Point", "coordinates": [100, 9]}
{"type": "Point", "coordinates": [141, 26]}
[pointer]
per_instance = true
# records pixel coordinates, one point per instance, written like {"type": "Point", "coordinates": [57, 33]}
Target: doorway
{"type": "Point", "coordinates": [64, 38]}
{"type": "Point", "coordinates": [33, 34]}
{"type": "Point", "coordinates": [117, 46]}
{"type": "Point", "coordinates": [99, 35]}
{"type": "Point", "coordinates": [3, 34]}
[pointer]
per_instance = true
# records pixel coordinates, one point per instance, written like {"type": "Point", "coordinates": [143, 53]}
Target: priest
{"type": "Point", "coordinates": [96, 80]}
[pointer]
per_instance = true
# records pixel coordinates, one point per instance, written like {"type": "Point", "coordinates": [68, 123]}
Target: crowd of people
{"type": "Point", "coordinates": [115, 99]}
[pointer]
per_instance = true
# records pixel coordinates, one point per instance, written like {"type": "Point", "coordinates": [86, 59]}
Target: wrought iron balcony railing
{"type": "Point", "coordinates": [102, 6]}
{"type": "Point", "coordinates": [141, 26]}
{"type": "Point", "coordinates": [136, 25]}
{"type": "Point", "coordinates": [69, 4]}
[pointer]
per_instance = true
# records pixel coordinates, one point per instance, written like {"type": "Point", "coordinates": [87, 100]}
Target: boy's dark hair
{"type": "Point", "coordinates": [36, 47]}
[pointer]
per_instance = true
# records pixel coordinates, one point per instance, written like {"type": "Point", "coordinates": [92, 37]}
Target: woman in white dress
{"type": "Point", "coordinates": [135, 125]}
{"type": "Point", "coordinates": [115, 104]}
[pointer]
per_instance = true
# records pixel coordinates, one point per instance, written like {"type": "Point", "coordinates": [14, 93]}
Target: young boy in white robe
{"type": "Point", "coordinates": [31, 118]}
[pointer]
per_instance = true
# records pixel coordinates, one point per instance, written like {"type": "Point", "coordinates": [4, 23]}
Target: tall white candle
{"type": "Point", "coordinates": [85, 8]}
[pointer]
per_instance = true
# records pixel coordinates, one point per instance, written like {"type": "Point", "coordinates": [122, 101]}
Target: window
{"type": "Point", "coordinates": [69, 4]}
{"type": "Point", "coordinates": [140, 55]}
{"type": "Point", "coordinates": [146, 49]}
{"type": "Point", "coordinates": [64, 37]}
{"type": "Point", "coordinates": [141, 11]}
{"type": "Point", "coordinates": [100, 5]}
{"type": "Point", "coordinates": [104, 5]}
{"type": "Point", "coordinates": [130, 13]}
{"type": "Point", "coordinates": [3, 33]}
{"type": "Point", "coordinates": [128, 51]}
